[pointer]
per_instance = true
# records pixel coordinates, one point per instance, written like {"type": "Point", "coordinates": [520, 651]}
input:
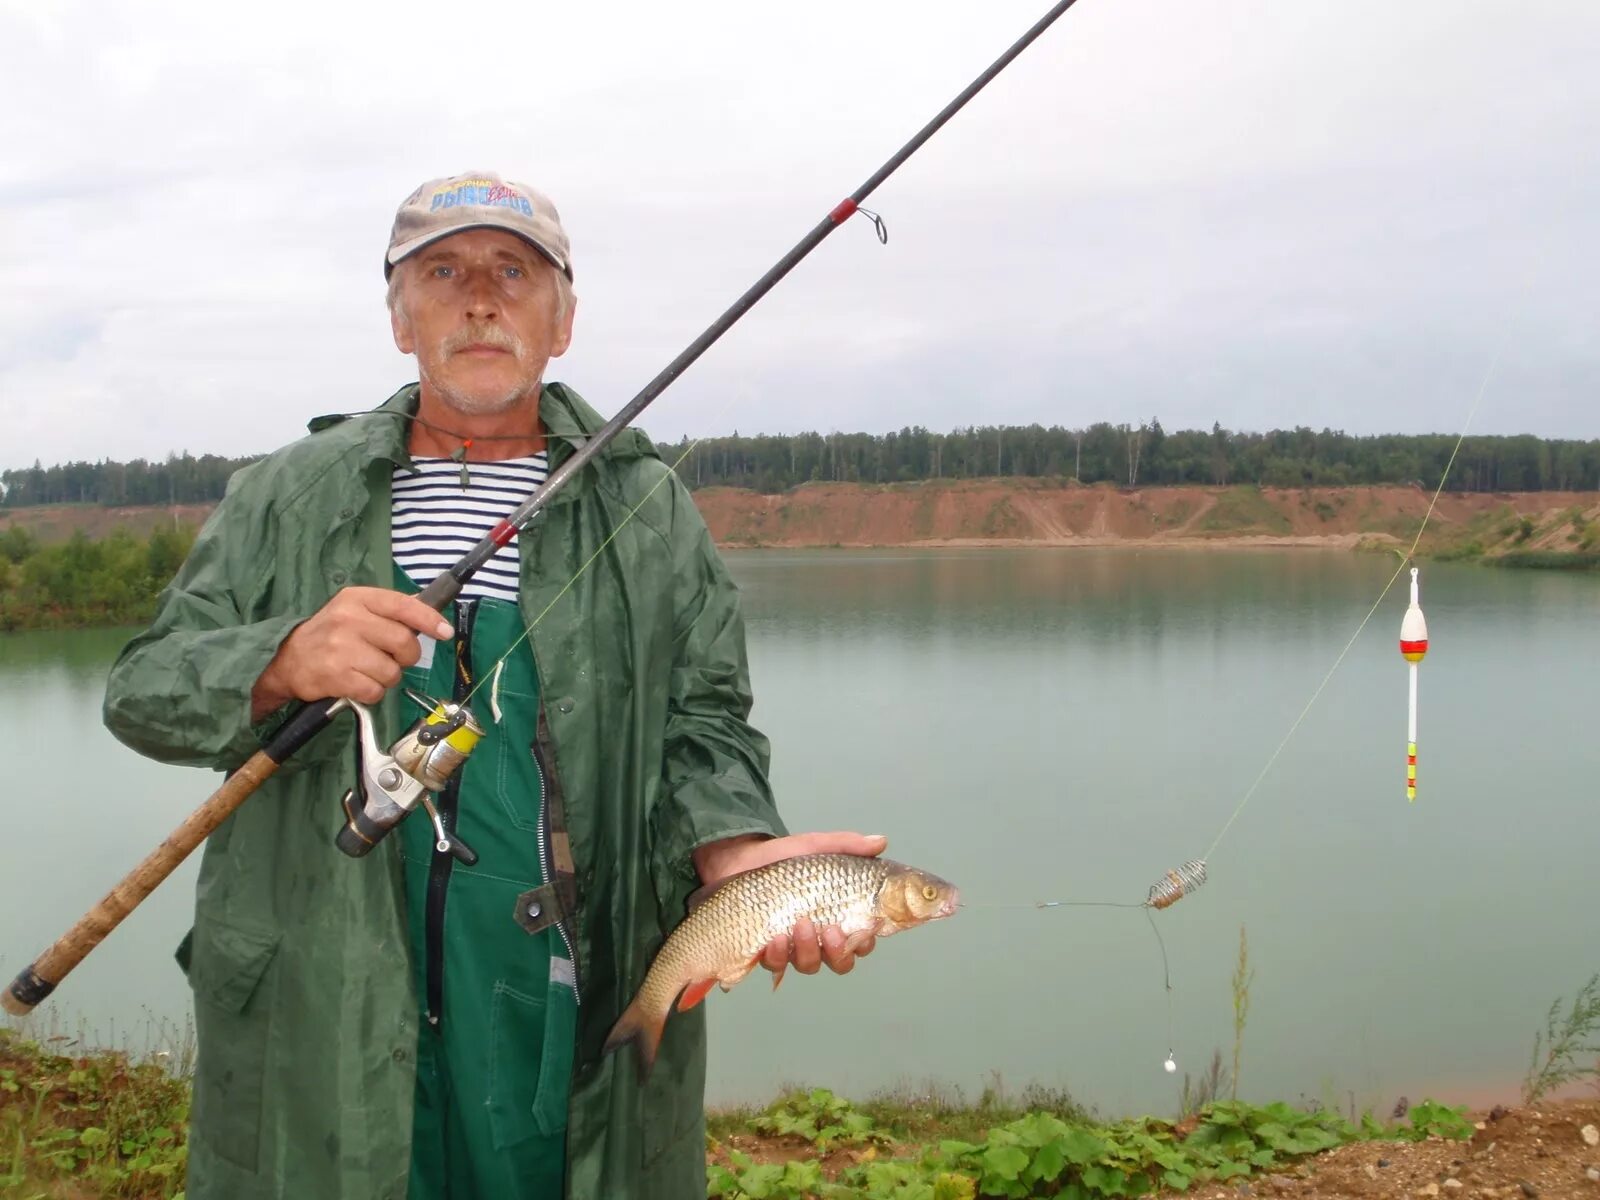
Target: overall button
{"type": "Point", "coordinates": [338, 577]}
{"type": "Point", "coordinates": [564, 705]}
{"type": "Point", "coordinates": [346, 513]}
{"type": "Point", "coordinates": [399, 1056]}
{"type": "Point", "coordinates": [534, 909]}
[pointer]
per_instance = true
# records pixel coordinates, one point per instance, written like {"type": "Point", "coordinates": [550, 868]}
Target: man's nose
{"type": "Point", "coordinates": [482, 302]}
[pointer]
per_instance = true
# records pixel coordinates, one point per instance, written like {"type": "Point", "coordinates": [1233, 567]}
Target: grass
{"type": "Point", "coordinates": [112, 1124]}
{"type": "Point", "coordinates": [1549, 560]}
{"type": "Point", "coordinates": [1244, 509]}
{"type": "Point", "coordinates": [107, 1124]}
{"type": "Point", "coordinates": [1565, 1040]}
{"type": "Point", "coordinates": [1242, 976]}
{"type": "Point", "coordinates": [104, 1123]}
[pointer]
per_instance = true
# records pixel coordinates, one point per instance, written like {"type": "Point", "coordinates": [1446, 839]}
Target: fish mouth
{"type": "Point", "coordinates": [951, 904]}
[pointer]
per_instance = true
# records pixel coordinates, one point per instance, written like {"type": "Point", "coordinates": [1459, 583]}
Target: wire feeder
{"type": "Point", "coordinates": [1177, 883]}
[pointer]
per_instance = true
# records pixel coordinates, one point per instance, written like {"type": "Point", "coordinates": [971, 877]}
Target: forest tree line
{"type": "Point", "coordinates": [113, 580]}
{"type": "Point", "coordinates": [1126, 455]}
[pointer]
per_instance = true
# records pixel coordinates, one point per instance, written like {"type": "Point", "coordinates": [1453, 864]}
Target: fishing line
{"type": "Point", "coordinates": [1404, 562]}
{"type": "Point", "coordinates": [1181, 881]}
{"type": "Point", "coordinates": [578, 574]}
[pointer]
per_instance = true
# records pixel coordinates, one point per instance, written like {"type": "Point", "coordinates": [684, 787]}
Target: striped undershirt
{"type": "Point", "coordinates": [436, 520]}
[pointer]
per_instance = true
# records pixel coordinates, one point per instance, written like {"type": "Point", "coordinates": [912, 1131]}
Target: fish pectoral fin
{"type": "Point", "coordinates": [732, 980]}
{"type": "Point", "coordinates": [777, 976]}
{"type": "Point", "coordinates": [694, 993]}
{"type": "Point", "coordinates": [700, 895]}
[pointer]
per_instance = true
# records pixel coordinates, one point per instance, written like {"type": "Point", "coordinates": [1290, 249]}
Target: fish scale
{"type": "Point", "coordinates": [723, 935]}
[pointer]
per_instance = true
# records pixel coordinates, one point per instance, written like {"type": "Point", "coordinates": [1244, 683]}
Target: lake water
{"type": "Point", "coordinates": [1054, 725]}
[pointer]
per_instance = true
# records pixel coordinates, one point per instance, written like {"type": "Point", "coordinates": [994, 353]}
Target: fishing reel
{"type": "Point", "coordinates": [392, 784]}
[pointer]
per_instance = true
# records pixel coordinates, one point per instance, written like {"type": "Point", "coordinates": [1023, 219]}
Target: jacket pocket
{"type": "Point", "coordinates": [524, 1102]}
{"type": "Point", "coordinates": [226, 968]}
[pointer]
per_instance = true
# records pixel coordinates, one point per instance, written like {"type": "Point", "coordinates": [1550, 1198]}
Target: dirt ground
{"type": "Point", "coordinates": [990, 512]}
{"type": "Point", "coordinates": [1047, 512]}
{"type": "Point", "coordinates": [1515, 1154]}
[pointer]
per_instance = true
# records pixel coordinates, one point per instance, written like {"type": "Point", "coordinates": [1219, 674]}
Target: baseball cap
{"type": "Point", "coordinates": [477, 200]}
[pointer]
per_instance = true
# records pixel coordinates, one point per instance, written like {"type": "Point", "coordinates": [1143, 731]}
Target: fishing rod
{"type": "Point", "coordinates": [394, 784]}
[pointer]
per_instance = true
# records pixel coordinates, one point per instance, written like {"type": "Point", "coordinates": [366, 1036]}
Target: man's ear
{"type": "Point", "coordinates": [401, 324]}
{"type": "Point", "coordinates": [563, 337]}
{"type": "Point", "coordinates": [399, 319]}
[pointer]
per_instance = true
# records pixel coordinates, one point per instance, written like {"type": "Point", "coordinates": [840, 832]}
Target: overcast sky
{"type": "Point", "coordinates": [1261, 212]}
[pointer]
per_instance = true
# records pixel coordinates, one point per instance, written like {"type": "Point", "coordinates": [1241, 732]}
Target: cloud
{"type": "Point", "coordinates": [1247, 211]}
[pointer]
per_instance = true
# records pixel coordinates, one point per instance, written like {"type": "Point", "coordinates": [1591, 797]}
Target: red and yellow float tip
{"type": "Point", "coordinates": [1413, 627]}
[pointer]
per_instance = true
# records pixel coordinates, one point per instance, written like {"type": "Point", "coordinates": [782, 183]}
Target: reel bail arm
{"type": "Point", "coordinates": [391, 785]}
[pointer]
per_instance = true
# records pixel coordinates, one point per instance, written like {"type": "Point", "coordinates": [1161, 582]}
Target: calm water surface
{"type": "Point", "coordinates": [1063, 725]}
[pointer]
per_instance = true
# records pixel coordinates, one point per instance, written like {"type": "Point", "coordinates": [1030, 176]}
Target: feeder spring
{"type": "Point", "coordinates": [1176, 884]}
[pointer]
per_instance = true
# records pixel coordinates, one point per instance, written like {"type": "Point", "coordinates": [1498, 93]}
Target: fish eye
{"type": "Point", "coordinates": [929, 892]}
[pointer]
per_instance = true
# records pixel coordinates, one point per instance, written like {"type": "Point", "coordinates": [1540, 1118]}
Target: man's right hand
{"type": "Point", "coordinates": [356, 645]}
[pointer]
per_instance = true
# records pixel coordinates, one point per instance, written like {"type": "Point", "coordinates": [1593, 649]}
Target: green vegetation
{"type": "Point", "coordinates": [1467, 551]}
{"type": "Point", "coordinates": [182, 479]}
{"type": "Point", "coordinates": [1549, 560]}
{"type": "Point", "coordinates": [821, 1118]}
{"type": "Point", "coordinates": [1244, 509]}
{"type": "Point", "coordinates": [112, 581]}
{"type": "Point", "coordinates": [1142, 455]}
{"type": "Point", "coordinates": [1042, 1154]}
{"type": "Point", "coordinates": [92, 1125]}
{"type": "Point", "coordinates": [104, 1124]}
{"type": "Point", "coordinates": [1129, 455]}
{"type": "Point", "coordinates": [1002, 520]}
{"type": "Point", "coordinates": [1242, 975]}
{"type": "Point", "coordinates": [1564, 1040]}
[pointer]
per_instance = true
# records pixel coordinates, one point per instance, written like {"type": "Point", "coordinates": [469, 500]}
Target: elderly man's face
{"type": "Point", "coordinates": [480, 310]}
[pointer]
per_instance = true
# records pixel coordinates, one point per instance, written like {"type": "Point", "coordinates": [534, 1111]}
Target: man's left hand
{"type": "Point", "coordinates": [804, 948]}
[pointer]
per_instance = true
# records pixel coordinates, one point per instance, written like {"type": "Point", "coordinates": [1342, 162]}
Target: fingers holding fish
{"type": "Point", "coordinates": [807, 953]}
{"type": "Point", "coordinates": [717, 861]}
{"type": "Point", "coordinates": [802, 910]}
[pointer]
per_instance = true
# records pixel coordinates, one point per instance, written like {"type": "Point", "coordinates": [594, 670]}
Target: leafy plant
{"type": "Point", "coordinates": [100, 1124]}
{"type": "Point", "coordinates": [1556, 1051]}
{"type": "Point", "coordinates": [1041, 1154]}
{"type": "Point", "coordinates": [1432, 1119]}
{"type": "Point", "coordinates": [821, 1118]}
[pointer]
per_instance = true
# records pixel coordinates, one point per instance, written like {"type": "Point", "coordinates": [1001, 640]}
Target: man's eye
{"type": "Point", "coordinates": [515, 272]}
{"type": "Point", "coordinates": [442, 272]}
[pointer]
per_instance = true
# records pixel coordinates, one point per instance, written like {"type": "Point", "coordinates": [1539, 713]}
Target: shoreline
{"type": "Point", "coordinates": [1333, 541]}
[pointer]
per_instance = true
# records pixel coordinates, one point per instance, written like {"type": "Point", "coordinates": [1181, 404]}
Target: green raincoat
{"type": "Point", "coordinates": [303, 985]}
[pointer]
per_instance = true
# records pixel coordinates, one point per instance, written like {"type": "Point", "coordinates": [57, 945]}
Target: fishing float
{"type": "Point", "coordinates": [1413, 646]}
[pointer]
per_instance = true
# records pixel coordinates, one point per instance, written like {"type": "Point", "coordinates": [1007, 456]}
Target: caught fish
{"type": "Point", "coordinates": [721, 940]}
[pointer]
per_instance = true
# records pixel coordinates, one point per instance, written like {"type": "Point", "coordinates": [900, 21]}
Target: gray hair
{"type": "Point", "coordinates": [564, 296]}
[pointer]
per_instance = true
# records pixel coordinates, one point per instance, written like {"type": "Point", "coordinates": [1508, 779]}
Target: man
{"type": "Point", "coordinates": [400, 1025]}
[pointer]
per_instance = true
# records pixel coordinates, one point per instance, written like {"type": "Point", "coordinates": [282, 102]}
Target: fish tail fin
{"type": "Point", "coordinates": [643, 1030]}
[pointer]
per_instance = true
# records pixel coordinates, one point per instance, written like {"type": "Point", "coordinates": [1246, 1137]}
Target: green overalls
{"type": "Point", "coordinates": [499, 1006]}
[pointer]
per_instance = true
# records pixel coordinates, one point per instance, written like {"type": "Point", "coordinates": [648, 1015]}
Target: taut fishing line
{"type": "Point", "coordinates": [588, 562]}
{"type": "Point", "coordinates": [1181, 881]}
